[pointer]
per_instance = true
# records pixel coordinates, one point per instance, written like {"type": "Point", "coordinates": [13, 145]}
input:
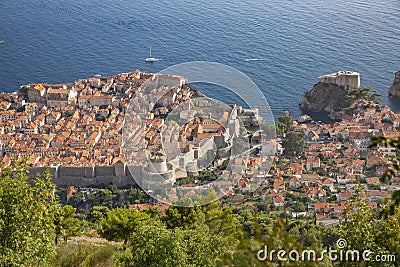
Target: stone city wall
{"type": "Point", "coordinates": [118, 174]}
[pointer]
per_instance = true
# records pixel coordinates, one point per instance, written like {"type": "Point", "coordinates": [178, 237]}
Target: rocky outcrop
{"type": "Point", "coordinates": [323, 97]}
{"type": "Point", "coordinates": [334, 100]}
{"type": "Point", "coordinates": [394, 90]}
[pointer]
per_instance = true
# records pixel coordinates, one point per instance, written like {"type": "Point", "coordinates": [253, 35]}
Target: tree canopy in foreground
{"type": "Point", "coordinates": [27, 212]}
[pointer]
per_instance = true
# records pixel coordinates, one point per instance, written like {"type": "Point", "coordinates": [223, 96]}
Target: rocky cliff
{"type": "Point", "coordinates": [323, 97]}
{"type": "Point", "coordinates": [335, 100]}
{"type": "Point", "coordinates": [395, 88]}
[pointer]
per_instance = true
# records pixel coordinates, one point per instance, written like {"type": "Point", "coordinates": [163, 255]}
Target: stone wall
{"type": "Point", "coordinates": [118, 174]}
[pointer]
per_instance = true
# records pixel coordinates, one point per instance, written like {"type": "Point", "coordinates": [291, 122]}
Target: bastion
{"type": "Point", "coordinates": [347, 79]}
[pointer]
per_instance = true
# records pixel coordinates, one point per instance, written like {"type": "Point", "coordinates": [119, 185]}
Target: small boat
{"type": "Point", "coordinates": [97, 75]}
{"type": "Point", "coordinates": [254, 59]}
{"type": "Point", "coordinates": [151, 58]}
{"type": "Point", "coordinates": [2, 41]}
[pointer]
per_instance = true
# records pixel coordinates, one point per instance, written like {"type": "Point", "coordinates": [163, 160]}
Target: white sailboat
{"type": "Point", "coordinates": [151, 58]}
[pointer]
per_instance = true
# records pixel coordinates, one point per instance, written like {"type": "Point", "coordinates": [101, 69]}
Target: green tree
{"type": "Point", "coordinates": [27, 211]}
{"type": "Point", "coordinates": [388, 226]}
{"type": "Point", "coordinates": [218, 220]}
{"type": "Point", "coordinates": [77, 200]}
{"type": "Point", "coordinates": [120, 223]}
{"type": "Point", "coordinates": [133, 194]}
{"type": "Point", "coordinates": [247, 250]}
{"type": "Point", "coordinates": [97, 213]}
{"type": "Point", "coordinates": [358, 227]}
{"type": "Point", "coordinates": [153, 212]}
{"type": "Point", "coordinates": [153, 244]}
{"type": "Point", "coordinates": [66, 223]}
{"type": "Point", "coordinates": [177, 216]}
{"type": "Point", "coordinates": [221, 221]}
{"type": "Point", "coordinates": [285, 124]}
{"type": "Point", "coordinates": [364, 230]}
{"type": "Point", "coordinates": [102, 197]}
{"type": "Point", "coordinates": [293, 144]}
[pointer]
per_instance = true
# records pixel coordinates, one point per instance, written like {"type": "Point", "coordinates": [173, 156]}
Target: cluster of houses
{"type": "Point", "coordinates": [82, 124]}
{"type": "Point", "coordinates": [77, 124]}
{"type": "Point", "coordinates": [85, 123]}
{"type": "Point", "coordinates": [337, 165]}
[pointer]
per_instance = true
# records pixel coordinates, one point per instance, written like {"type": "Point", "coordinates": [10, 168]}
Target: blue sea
{"type": "Point", "coordinates": [294, 41]}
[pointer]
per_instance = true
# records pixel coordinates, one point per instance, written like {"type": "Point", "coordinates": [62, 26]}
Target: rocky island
{"type": "Point", "coordinates": [337, 94]}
